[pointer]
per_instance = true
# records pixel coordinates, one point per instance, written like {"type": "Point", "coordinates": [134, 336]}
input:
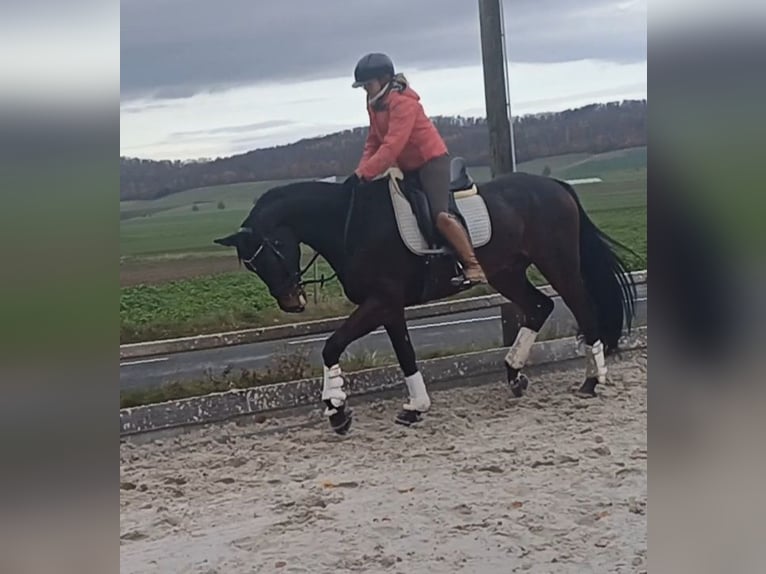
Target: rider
{"type": "Point", "coordinates": [401, 134]}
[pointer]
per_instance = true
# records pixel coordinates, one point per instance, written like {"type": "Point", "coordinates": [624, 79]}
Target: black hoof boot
{"type": "Point", "coordinates": [341, 420]}
{"type": "Point", "coordinates": [588, 388]}
{"type": "Point", "coordinates": [408, 418]}
{"type": "Point", "coordinates": [519, 385]}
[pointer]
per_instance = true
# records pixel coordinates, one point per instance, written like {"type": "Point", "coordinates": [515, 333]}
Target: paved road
{"type": "Point", "coordinates": [481, 328]}
{"type": "Point", "coordinates": [461, 331]}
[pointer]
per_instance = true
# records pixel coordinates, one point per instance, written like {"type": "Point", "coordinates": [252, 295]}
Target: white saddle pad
{"type": "Point", "coordinates": [472, 207]}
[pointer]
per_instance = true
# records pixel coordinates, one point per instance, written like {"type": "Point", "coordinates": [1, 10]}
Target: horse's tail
{"type": "Point", "coordinates": [610, 285]}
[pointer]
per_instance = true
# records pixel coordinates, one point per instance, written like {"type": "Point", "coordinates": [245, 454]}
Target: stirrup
{"type": "Point", "coordinates": [464, 282]}
{"type": "Point", "coordinates": [483, 281]}
{"type": "Point", "coordinates": [460, 281]}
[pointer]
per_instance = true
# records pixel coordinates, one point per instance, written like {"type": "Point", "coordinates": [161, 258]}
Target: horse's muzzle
{"type": "Point", "coordinates": [293, 302]}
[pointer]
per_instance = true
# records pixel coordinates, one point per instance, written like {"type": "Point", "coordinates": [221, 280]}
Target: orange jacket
{"type": "Point", "coordinates": [400, 134]}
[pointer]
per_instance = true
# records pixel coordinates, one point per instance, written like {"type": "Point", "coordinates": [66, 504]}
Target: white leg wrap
{"type": "Point", "coordinates": [595, 363]}
{"type": "Point", "coordinates": [333, 389]}
{"type": "Point", "coordinates": [416, 387]}
{"type": "Point", "coordinates": [519, 352]}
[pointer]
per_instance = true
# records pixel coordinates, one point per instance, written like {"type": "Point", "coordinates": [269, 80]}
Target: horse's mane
{"type": "Point", "coordinates": [291, 190]}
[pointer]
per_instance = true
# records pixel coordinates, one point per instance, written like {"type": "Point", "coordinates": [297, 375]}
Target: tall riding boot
{"type": "Point", "coordinates": [457, 236]}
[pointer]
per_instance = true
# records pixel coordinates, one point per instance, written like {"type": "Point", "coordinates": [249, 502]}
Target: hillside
{"type": "Point", "coordinates": [185, 222]}
{"type": "Point", "coordinates": [591, 129]}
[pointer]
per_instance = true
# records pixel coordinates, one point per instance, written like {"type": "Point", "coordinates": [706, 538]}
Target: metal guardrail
{"type": "Point", "coordinates": [289, 331]}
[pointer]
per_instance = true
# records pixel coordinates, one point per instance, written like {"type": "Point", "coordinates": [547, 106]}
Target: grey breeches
{"type": "Point", "coordinates": [434, 176]}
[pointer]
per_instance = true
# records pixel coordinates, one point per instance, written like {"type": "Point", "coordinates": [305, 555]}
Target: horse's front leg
{"type": "Point", "coordinates": [371, 314]}
{"type": "Point", "coordinates": [419, 401]}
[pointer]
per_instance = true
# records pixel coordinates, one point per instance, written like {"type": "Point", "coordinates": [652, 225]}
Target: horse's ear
{"type": "Point", "coordinates": [230, 240]}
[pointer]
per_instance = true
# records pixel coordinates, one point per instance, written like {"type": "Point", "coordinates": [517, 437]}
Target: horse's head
{"type": "Point", "coordinates": [275, 257]}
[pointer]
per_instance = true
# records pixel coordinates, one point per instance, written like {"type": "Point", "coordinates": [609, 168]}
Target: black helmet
{"type": "Point", "coordinates": [371, 67]}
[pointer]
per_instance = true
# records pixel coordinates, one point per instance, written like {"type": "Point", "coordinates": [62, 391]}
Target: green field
{"type": "Point", "coordinates": [239, 195]}
{"type": "Point", "coordinates": [557, 164]}
{"type": "Point", "coordinates": [239, 299]}
{"type": "Point", "coordinates": [604, 165]}
{"type": "Point", "coordinates": [186, 222]}
{"type": "Point", "coordinates": [172, 225]}
{"type": "Point", "coordinates": [226, 301]}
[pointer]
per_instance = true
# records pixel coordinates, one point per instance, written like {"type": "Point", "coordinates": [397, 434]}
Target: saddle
{"type": "Point", "coordinates": [413, 213]}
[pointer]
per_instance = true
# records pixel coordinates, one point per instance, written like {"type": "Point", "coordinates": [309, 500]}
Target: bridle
{"type": "Point", "coordinates": [294, 278]}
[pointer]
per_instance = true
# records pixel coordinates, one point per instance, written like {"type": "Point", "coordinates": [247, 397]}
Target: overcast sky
{"type": "Point", "coordinates": [201, 78]}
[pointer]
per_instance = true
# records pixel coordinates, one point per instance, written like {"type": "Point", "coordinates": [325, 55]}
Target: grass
{"type": "Point", "coordinates": [290, 365]}
{"type": "Point", "coordinates": [171, 225]}
{"type": "Point", "coordinates": [179, 232]}
{"type": "Point", "coordinates": [228, 301]}
{"type": "Point", "coordinates": [158, 310]}
{"type": "Point", "coordinates": [236, 300]}
{"type": "Point", "coordinates": [576, 165]}
{"type": "Point", "coordinates": [556, 163]}
{"type": "Point", "coordinates": [186, 222]}
{"type": "Point", "coordinates": [602, 165]}
{"type": "Point", "coordinates": [240, 195]}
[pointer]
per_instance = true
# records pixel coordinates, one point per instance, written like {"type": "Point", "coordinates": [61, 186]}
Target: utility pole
{"type": "Point", "coordinates": [507, 86]}
{"type": "Point", "coordinates": [501, 152]}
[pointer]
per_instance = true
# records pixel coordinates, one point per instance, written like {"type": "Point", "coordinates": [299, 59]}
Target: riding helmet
{"type": "Point", "coordinates": [371, 67]}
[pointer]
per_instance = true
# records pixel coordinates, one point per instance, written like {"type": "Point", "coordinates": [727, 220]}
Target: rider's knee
{"type": "Point", "coordinates": [441, 217]}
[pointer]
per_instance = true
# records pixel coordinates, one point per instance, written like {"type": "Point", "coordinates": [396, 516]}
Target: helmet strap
{"type": "Point", "coordinates": [383, 91]}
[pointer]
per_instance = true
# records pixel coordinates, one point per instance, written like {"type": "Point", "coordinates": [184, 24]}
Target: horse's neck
{"type": "Point", "coordinates": [317, 218]}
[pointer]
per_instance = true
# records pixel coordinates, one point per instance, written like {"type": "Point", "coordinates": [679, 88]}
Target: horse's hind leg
{"type": "Point", "coordinates": [535, 307]}
{"type": "Point", "coordinates": [563, 272]}
{"type": "Point", "coordinates": [419, 401]}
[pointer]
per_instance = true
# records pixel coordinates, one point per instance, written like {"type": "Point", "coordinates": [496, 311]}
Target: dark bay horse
{"type": "Point", "coordinates": [535, 220]}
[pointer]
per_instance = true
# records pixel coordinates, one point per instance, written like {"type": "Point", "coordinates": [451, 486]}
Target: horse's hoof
{"type": "Point", "coordinates": [519, 385]}
{"type": "Point", "coordinates": [341, 420]}
{"type": "Point", "coordinates": [588, 389]}
{"type": "Point", "coordinates": [408, 418]}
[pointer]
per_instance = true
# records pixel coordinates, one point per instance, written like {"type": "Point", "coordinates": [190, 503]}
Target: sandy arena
{"type": "Point", "coordinates": [487, 484]}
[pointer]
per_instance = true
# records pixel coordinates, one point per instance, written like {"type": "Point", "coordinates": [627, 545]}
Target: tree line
{"type": "Point", "coordinates": [594, 128]}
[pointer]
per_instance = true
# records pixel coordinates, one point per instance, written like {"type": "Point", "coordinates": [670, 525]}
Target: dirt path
{"type": "Point", "coordinates": [548, 483]}
{"type": "Point", "coordinates": [162, 270]}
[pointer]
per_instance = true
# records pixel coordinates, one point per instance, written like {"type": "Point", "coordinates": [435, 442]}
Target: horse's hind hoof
{"type": "Point", "coordinates": [341, 420]}
{"type": "Point", "coordinates": [519, 385]}
{"type": "Point", "coordinates": [408, 418]}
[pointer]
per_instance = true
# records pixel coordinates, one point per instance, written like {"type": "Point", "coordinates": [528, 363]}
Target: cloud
{"type": "Point", "coordinates": [227, 130]}
{"type": "Point", "coordinates": [179, 48]}
{"type": "Point", "coordinates": [138, 108]}
{"type": "Point", "coordinates": [226, 136]}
